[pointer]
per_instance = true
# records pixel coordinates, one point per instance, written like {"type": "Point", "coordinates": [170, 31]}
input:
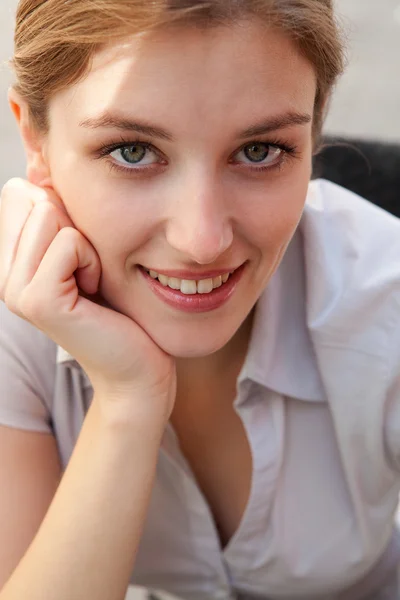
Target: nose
{"type": "Point", "coordinates": [200, 226]}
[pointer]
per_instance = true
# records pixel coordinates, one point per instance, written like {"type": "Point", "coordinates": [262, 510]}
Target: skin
{"type": "Point", "coordinates": [198, 211]}
{"type": "Point", "coordinates": [201, 204]}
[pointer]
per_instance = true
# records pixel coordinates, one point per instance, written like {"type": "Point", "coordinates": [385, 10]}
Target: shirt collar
{"type": "Point", "coordinates": [63, 356]}
{"type": "Point", "coordinates": [281, 354]}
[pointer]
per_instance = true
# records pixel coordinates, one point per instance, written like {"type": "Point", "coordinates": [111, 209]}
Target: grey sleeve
{"type": "Point", "coordinates": [27, 374]}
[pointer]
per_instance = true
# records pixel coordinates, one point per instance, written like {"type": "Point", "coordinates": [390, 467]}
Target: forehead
{"type": "Point", "coordinates": [229, 72]}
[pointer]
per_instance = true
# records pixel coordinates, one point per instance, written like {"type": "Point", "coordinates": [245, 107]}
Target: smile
{"type": "Point", "coordinates": [190, 286]}
{"type": "Point", "coordinates": [194, 295]}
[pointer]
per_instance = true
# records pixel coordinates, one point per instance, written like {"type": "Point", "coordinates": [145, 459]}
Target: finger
{"type": "Point", "coordinates": [87, 279]}
{"type": "Point", "coordinates": [18, 197]}
{"type": "Point", "coordinates": [41, 227]}
{"type": "Point", "coordinates": [15, 208]}
{"type": "Point", "coordinates": [53, 290]}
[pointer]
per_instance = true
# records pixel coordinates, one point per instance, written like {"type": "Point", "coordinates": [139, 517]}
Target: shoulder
{"type": "Point", "coordinates": [27, 358]}
{"type": "Point", "coordinates": [352, 263]}
{"type": "Point", "coordinates": [352, 270]}
{"type": "Point", "coordinates": [359, 230]}
{"type": "Point", "coordinates": [23, 339]}
{"type": "Point", "coordinates": [42, 388]}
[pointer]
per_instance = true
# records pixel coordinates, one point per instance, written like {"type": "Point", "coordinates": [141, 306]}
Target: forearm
{"type": "Point", "coordinates": [86, 546]}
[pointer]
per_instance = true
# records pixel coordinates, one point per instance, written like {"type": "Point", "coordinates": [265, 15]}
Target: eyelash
{"type": "Point", "coordinates": [288, 151]}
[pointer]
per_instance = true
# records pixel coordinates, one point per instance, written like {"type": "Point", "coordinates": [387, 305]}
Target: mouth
{"type": "Point", "coordinates": [194, 295]}
{"type": "Point", "coordinates": [188, 287]}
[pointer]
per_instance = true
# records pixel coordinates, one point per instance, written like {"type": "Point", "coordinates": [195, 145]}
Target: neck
{"type": "Point", "coordinates": [197, 376]}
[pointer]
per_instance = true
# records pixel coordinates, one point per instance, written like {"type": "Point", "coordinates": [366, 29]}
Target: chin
{"type": "Point", "coordinates": [191, 346]}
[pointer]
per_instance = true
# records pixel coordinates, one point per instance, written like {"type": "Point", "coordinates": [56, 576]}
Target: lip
{"type": "Point", "coordinates": [195, 303]}
{"type": "Point", "coordinates": [193, 275]}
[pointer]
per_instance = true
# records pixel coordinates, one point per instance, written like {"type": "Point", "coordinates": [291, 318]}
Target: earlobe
{"type": "Point", "coordinates": [37, 171]}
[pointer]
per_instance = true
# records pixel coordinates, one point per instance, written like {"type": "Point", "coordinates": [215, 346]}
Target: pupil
{"type": "Point", "coordinates": [133, 154]}
{"type": "Point", "coordinates": [256, 152]}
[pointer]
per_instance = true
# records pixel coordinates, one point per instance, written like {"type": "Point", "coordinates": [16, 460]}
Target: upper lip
{"type": "Point", "coordinates": [195, 275]}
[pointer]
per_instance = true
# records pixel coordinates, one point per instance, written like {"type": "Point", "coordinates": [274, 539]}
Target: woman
{"type": "Point", "coordinates": [199, 344]}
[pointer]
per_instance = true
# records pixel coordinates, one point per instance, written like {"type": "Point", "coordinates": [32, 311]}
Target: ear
{"type": "Point", "coordinates": [34, 142]}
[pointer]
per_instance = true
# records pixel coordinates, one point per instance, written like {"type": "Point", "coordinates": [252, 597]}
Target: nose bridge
{"type": "Point", "coordinates": [200, 225]}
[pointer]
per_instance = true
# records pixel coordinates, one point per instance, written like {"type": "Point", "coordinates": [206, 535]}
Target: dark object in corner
{"type": "Point", "coordinates": [368, 168]}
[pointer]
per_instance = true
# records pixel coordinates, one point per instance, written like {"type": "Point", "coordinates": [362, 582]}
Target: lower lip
{"type": "Point", "coordinates": [195, 303]}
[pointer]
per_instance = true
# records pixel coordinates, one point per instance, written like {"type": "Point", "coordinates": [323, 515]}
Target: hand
{"type": "Point", "coordinates": [49, 276]}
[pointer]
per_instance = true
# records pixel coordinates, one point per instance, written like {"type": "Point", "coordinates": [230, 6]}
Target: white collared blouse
{"type": "Point", "coordinates": [319, 397]}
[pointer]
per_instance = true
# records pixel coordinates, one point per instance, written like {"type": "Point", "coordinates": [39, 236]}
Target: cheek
{"type": "Point", "coordinates": [273, 209]}
{"type": "Point", "coordinates": [113, 214]}
{"type": "Point", "coordinates": [273, 218]}
{"type": "Point", "coordinates": [115, 222]}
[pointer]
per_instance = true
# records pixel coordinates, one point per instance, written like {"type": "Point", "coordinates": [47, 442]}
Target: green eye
{"type": "Point", "coordinates": [260, 155]}
{"type": "Point", "coordinates": [257, 152]}
{"type": "Point", "coordinates": [133, 154]}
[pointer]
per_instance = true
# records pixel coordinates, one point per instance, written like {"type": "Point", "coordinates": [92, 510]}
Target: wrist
{"type": "Point", "coordinates": [123, 409]}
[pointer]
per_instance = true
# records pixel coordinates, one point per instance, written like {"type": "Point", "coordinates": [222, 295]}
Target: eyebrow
{"type": "Point", "coordinates": [275, 123]}
{"type": "Point", "coordinates": [110, 121]}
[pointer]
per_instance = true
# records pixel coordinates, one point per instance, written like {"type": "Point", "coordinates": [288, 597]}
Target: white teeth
{"type": "Point", "coordinates": [217, 282]}
{"type": "Point", "coordinates": [204, 286]}
{"type": "Point", "coordinates": [188, 286]}
{"type": "Point", "coordinates": [163, 279]}
{"type": "Point", "coordinates": [173, 283]}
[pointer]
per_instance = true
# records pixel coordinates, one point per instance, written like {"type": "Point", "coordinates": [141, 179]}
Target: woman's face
{"type": "Point", "coordinates": [188, 153]}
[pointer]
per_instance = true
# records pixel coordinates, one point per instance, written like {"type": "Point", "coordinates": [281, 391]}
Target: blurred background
{"type": "Point", "coordinates": [366, 103]}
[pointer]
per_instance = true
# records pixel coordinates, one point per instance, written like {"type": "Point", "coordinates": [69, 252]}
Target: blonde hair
{"type": "Point", "coordinates": [55, 40]}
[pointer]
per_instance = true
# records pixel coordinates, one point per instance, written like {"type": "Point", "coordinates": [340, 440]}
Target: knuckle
{"type": "Point", "coordinates": [18, 185]}
{"type": "Point", "coordinates": [44, 209]}
{"type": "Point", "coordinates": [49, 212]}
{"type": "Point", "coordinates": [69, 234]}
{"type": "Point", "coordinates": [27, 303]}
{"type": "Point", "coordinates": [19, 189]}
{"type": "Point", "coordinates": [11, 302]}
{"type": "Point", "coordinates": [15, 183]}
{"type": "Point", "coordinates": [31, 305]}
{"type": "Point", "coordinates": [3, 283]}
